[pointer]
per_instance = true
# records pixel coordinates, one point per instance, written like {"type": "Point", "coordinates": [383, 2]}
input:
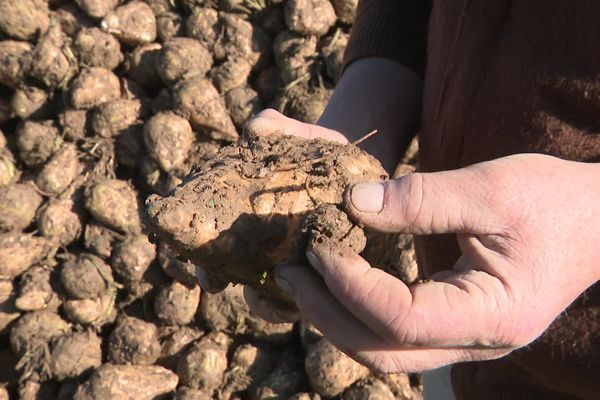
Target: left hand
{"type": "Point", "coordinates": [528, 228]}
{"type": "Point", "coordinates": [269, 122]}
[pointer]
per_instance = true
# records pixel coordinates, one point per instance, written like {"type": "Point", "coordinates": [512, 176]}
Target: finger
{"type": "Point", "coordinates": [269, 122]}
{"type": "Point", "coordinates": [269, 310]}
{"type": "Point", "coordinates": [353, 337]}
{"type": "Point", "coordinates": [426, 203]}
{"type": "Point", "coordinates": [467, 309]}
{"type": "Point", "coordinates": [208, 283]}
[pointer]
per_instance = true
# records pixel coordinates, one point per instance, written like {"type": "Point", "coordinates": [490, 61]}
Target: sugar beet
{"type": "Point", "coordinates": [127, 382]}
{"type": "Point", "coordinates": [133, 341]}
{"type": "Point", "coordinates": [114, 202]}
{"type": "Point", "coordinates": [24, 19]}
{"type": "Point", "coordinates": [176, 304]}
{"type": "Point", "coordinates": [18, 205]}
{"type": "Point", "coordinates": [74, 354]}
{"type": "Point", "coordinates": [240, 214]}
{"type": "Point", "coordinates": [183, 57]}
{"type": "Point", "coordinates": [197, 100]}
{"type": "Point", "coordinates": [203, 366]}
{"type": "Point", "coordinates": [132, 23]}
{"type": "Point", "coordinates": [86, 276]}
{"type": "Point", "coordinates": [93, 87]}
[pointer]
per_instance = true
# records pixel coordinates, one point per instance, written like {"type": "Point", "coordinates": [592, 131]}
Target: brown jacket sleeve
{"type": "Point", "coordinates": [394, 29]}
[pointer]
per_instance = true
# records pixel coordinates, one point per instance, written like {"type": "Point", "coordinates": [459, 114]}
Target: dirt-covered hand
{"type": "Point", "coordinates": [528, 231]}
{"type": "Point", "coordinates": [270, 122]}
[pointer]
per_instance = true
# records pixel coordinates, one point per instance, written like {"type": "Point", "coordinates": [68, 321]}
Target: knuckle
{"type": "Point", "coordinates": [414, 192]}
{"type": "Point", "coordinates": [268, 113]}
{"type": "Point", "coordinates": [496, 183]}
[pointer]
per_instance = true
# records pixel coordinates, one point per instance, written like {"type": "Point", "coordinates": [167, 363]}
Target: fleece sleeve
{"type": "Point", "coordinates": [393, 29]}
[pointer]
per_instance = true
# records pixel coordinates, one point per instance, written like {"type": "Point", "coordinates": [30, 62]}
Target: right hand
{"type": "Point", "coordinates": [269, 122]}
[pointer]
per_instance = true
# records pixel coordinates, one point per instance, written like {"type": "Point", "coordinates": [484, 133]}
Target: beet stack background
{"type": "Point", "coordinates": [103, 102]}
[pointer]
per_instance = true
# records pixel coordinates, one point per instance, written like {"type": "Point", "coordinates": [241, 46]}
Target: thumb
{"type": "Point", "coordinates": [269, 122]}
{"type": "Point", "coordinates": [459, 201]}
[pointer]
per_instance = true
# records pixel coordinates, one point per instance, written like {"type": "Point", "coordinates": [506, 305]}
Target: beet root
{"type": "Point", "coordinates": [133, 341]}
{"type": "Point", "coordinates": [30, 338]}
{"type": "Point", "coordinates": [19, 251]}
{"type": "Point", "coordinates": [74, 354]}
{"type": "Point", "coordinates": [72, 18]}
{"type": "Point", "coordinates": [94, 312]}
{"type": "Point", "coordinates": [204, 365]}
{"type": "Point", "coordinates": [333, 51]}
{"type": "Point", "coordinates": [74, 123]}
{"type": "Point", "coordinates": [198, 100]}
{"type": "Point", "coordinates": [293, 55]}
{"type": "Point", "coordinates": [227, 311]}
{"type": "Point", "coordinates": [97, 8]}
{"type": "Point", "coordinates": [141, 65]}
{"type": "Point", "coordinates": [86, 277]}
{"type": "Point", "coordinates": [238, 38]}
{"type": "Point", "coordinates": [329, 370]}
{"type": "Point", "coordinates": [132, 23]}
{"type": "Point", "coordinates": [114, 202]}
{"type": "Point", "coordinates": [249, 366]}
{"type": "Point", "coordinates": [232, 73]}
{"type": "Point", "coordinates": [241, 213]}
{"type": "Point", "coordinates": [132, 258]}
{"type": "Point", "coordinates": [186, 393]}
{"type": "Point", "coordinates": [243, 104]}
{"type": "Point", "coordinates": [29, 102]}
{"type": "Point", "coordinates": [35, 290]}
{"type": "Point", "coordinates": [127, 382]}
{"type": "Point", "coordinates": [37, 141]}
{"type": "Point", "coordinates": [202, 25]}
{"type": "Point", "coordinates": [18, 205]}
{"type": "Point", "coordinates": [183, 57]}
{"type": "Point", "coordinates": [53, 63]}
{"type": "Point", "coordinates": [114, 117]}
{"type": "Point", "coordinates": [369, 389]}
{"type": "Point", "coordinates": [15, 61]}
{"type": "Point", "coordinates": [176, 304]}
{"type": "Point", "coordinates": [8, 310]}
{"type": "Point", "coordinates": [181, 271]}
{"type": "Point", "coordinates": [24, 19]}
{"type": "Point", "coordinates": [168, 26]}
{"type": "Point", "coordinates": [169, 140]}
{"type": "Point", "coordinates": [176, 344]}
{"type": "Point", "coordinates": [93, 87]}
{"type": "Point", "coordinates": [285, 380]}
{"type": "Point", "coordinates": [99, 239]}
{"type": "Point", "coordinates": [309, 17]}
{"type": "Point", "coordinates": [60, 171]}
{"type": "Point", "coordinates": [304, 103]}
{"type": "Point", "coordinates": [96, 48]}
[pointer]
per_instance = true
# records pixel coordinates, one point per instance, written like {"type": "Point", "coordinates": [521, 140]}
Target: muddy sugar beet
{"type": "Point", "coordinates": [256, 205]}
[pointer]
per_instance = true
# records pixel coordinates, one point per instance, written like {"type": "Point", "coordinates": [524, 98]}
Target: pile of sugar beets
{"type": "Point", "coordinates": [104, 103]}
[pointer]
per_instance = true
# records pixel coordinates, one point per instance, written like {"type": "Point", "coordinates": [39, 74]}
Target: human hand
{"type": "Point", "coordinates": [528, 230]}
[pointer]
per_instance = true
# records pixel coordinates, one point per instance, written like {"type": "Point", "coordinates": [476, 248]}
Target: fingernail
{"type": "Point", "coordinates": [367, 197]}
{"type": "Point", "coordinates": [285, 286]}
{"type": "Point", "coordinates": [206, 282]}
{"type": "Point", "coordinates": [201, 276]}
{"type": "Point", "coordinates": [314, 261]}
